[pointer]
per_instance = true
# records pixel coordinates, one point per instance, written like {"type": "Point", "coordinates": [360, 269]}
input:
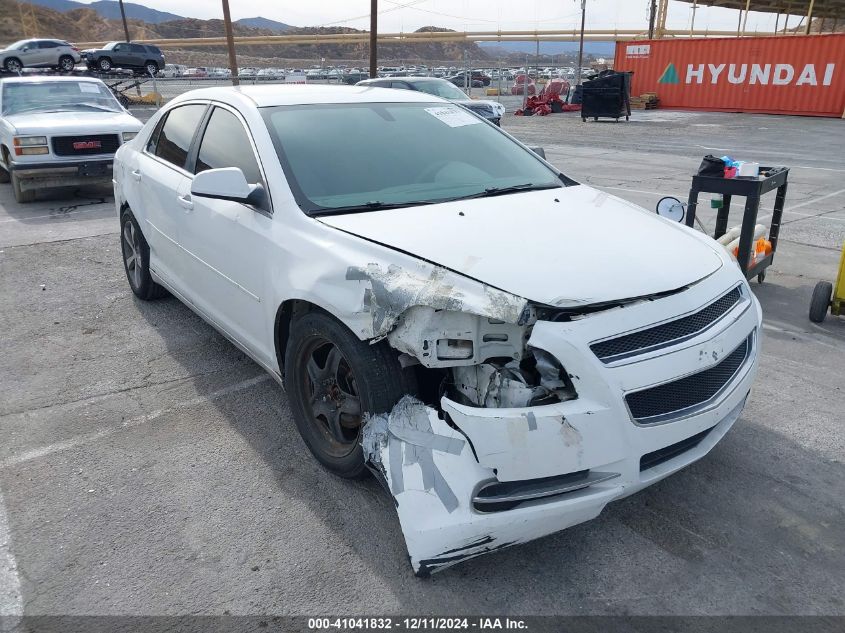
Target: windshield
{"type": "Point", "coordinates": [441, 89]}
{"type": "Point", "coordinates": [53, 96]}
{"type": "Point", "coordinates": [363, 156]}
{"type": "Point", "coordinates": [17, 45]}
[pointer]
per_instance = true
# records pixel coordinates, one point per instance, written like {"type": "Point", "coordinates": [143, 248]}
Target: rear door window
{"type": "Point", "coordinates": [226, 143]}
{"type": "Point", "coordinates": [177, 132]}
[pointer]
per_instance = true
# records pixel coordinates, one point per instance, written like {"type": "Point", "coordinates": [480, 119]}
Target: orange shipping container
{"type": "Point", "coordinates": [777, 75]}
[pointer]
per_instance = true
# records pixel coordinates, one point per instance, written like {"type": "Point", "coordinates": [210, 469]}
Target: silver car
{"type": "Point", "coordinates": [39, 54]}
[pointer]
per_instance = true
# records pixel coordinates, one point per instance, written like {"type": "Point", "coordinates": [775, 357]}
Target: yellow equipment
{"type": "Point", "coordinates": [827, 296]}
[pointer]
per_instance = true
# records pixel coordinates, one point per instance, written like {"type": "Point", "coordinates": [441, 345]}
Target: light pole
{"type": "Point", "coordinates": [230, 42]}
{"type": "Point", "coordinates": [581, 40]}
{"type": "Point", "coordinates": [123, 17]}
{"type": "Point", "coordinates": [373, 39]}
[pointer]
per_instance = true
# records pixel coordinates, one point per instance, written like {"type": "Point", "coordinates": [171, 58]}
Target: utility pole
{"type": "Point", "coordinates": [581, 41]}
{"type": "Point", "coordinates": [230, 42]}
{"type": "Point", "coordinates": [123, 17]}
{"type": "Point", "coordinates": [373, 39]}
{"type": "Point", "coordinates": [652, 16]}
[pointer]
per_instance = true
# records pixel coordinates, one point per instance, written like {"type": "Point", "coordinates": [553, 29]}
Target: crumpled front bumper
{"type": "Point", "coordinates": [438, 465]}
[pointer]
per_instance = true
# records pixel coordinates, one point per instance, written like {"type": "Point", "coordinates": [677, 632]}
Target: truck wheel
{"type": "Point", "coordinates": [136, 260]}
{"type": "Point", "coordinates": [334, 380]}
{"type": "Point", "coordinates": [21, 195]}
{"type": "Point", "coordinates": [104, 64]}
{"type": "Point", "coordinates": [4, 175]}
{"type": "Point", "coordinates": [13, 65]}
{"type": "Point", "coordinates": [66, 63]}
{"type": "Point", "coordinates": [820, 301]}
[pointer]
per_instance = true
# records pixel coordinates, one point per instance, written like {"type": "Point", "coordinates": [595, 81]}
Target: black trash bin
{"type": "Point", "coordinates": [607, 96]}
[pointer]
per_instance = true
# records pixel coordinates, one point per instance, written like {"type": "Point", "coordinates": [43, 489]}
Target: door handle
{"type": "Point", "coordinates": [136, 175]}
{"type": "Point", "coordinates": [185, 202]}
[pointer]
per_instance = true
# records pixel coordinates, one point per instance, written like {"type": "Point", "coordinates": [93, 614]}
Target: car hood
{"type": "Point", "coordinates": [562, 247]}
{"type": "Point", "coordinates": [73, 123]}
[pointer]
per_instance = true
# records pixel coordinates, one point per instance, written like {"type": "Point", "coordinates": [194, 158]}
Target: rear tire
{"type": "Point", "coordinates": [820, 301]}
{"type": "Point", "coordinates": [66, 63]}
{"type": "Point", "coordinates": [334, 380]}
{"type": "Point", "coordinates": [22, 196]}
{"type": "Point", "coordinates": [151, 68]}
{"type": "Point", "coordinates": [136, 260]}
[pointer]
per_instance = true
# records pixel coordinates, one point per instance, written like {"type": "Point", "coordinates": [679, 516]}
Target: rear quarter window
{"type": "Point", "coordinates": [176, 133]}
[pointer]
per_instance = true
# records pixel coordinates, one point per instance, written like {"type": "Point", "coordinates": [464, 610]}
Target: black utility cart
{"type": "Point", "coordinates": [770, 179]}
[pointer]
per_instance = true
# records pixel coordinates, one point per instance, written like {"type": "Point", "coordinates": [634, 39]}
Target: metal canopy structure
{"type": "Point", "coordinates": [819, 8]}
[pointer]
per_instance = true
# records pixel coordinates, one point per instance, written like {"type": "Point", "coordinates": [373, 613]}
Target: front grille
{"type": "Point", "coordinates": [650, 460]}
{"type": "Point", "coordinates": [85, 145]}
{"type": "Point", "coordinates": [671, 399]}
{"type": "Point", "coordinates": [671, 332]}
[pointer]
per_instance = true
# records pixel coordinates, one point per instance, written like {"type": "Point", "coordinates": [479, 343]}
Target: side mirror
{"type": "Point", "coordinates": [227, 183]}
{"type": "Point", "coordinates": [671, 209]}
{"type": "Point", "coordinates": [539, 151]}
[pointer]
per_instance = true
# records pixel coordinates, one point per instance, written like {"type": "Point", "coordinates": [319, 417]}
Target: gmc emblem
{"type": "Point", "coordinates": [87, 145]}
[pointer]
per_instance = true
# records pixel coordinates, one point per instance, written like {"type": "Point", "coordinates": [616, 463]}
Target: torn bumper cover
{"type": "Point", "coordinates": [468, 480]}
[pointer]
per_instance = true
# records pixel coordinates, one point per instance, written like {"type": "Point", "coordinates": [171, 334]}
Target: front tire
{"type": "Point", "coordinates": [333, 380]}
{"type": "Point", "coordinates": [22, 196]}
{"type": "Point", "coordinates": [136, 260]}
{"type": "Point", "coordinates": [12, 65]}
{"type": "Point", "coordinates": [104, 64]}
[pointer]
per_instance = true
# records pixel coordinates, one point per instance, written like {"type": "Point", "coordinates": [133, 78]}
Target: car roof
{"type": "Point", "coordinates": [303, 94]}
{"type": "Point", "coordinates": [46, 78]}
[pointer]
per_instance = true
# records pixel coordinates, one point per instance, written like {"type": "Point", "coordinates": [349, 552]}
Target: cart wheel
{"type": "Point", "coordinates": [627, 117]}
{"type": "Point", "coordinates": [583, 119]}
{"type": "Point", "coordinates": [761, 277]}
{"type": "Point", "coordinates": [595, 118]}
{"type": "Point", "coordinates": [820, 301]}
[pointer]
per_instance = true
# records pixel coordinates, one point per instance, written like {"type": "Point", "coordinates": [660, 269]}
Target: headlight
{"type": "Point", "coordinates": [128, 136]}
{"type": "Point", "coordinates": [30, 145]}
{"type": "Point", "coordinates": [30, 141]}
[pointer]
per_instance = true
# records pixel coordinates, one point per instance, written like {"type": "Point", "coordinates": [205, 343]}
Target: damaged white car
{"type": "Point", "coordinates": [506, 349]}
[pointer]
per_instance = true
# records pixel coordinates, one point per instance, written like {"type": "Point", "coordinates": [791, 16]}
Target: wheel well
{"type": "Point", "coordinates": [151, 61]}
{"type": "Point", "coordinates": [102, 57]}
{"type": "Point", "coordinates": [4, 154]}
{"type": "Point", "coordinates": [281, 331]}
{"type": "Point", "coordinates": [12, 58]}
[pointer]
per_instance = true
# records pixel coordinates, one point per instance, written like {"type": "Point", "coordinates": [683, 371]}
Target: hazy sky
{"type": "Point", "coordinates": [408, 15]}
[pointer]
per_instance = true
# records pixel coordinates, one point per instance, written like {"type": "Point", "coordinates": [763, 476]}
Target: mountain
{"type": "Point", "coordinates": [599, 49]}
{"type": "Point", "coordinates": [88, 25]}
{"type": "Point", "coordinates": [110, 9]}
{"type": "Point", "coordinates": [265, 23]}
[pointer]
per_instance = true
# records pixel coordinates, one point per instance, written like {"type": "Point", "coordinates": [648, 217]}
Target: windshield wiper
{"type": "Point", "coordinates": [489, 192]}
{"type": "Point", "coordinates": [372, 205]}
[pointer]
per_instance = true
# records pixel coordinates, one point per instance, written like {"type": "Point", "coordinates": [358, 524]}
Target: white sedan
{"type": "Point", "coordinates": [505, 349]}
{"type": "Point", "coordinates": [59, 131]}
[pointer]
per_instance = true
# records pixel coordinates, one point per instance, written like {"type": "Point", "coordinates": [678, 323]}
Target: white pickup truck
{"type": "Point", "coordinates": [59, 131]}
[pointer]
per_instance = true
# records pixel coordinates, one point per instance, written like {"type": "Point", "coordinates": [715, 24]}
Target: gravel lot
{"type": "Point", "coordinates": [148, 467]}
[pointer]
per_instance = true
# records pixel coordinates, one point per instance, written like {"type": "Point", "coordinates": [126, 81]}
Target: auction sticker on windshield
{"type": "Point", "coordinates": [453, 116]}
{"type": "Point", "coordinates": [85, 87]}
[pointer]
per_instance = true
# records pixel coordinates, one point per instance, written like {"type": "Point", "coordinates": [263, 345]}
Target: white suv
{"type": "Point", "coordinates": [39, 54]}
{"type": "Point", "coordinates": [507, 350]}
